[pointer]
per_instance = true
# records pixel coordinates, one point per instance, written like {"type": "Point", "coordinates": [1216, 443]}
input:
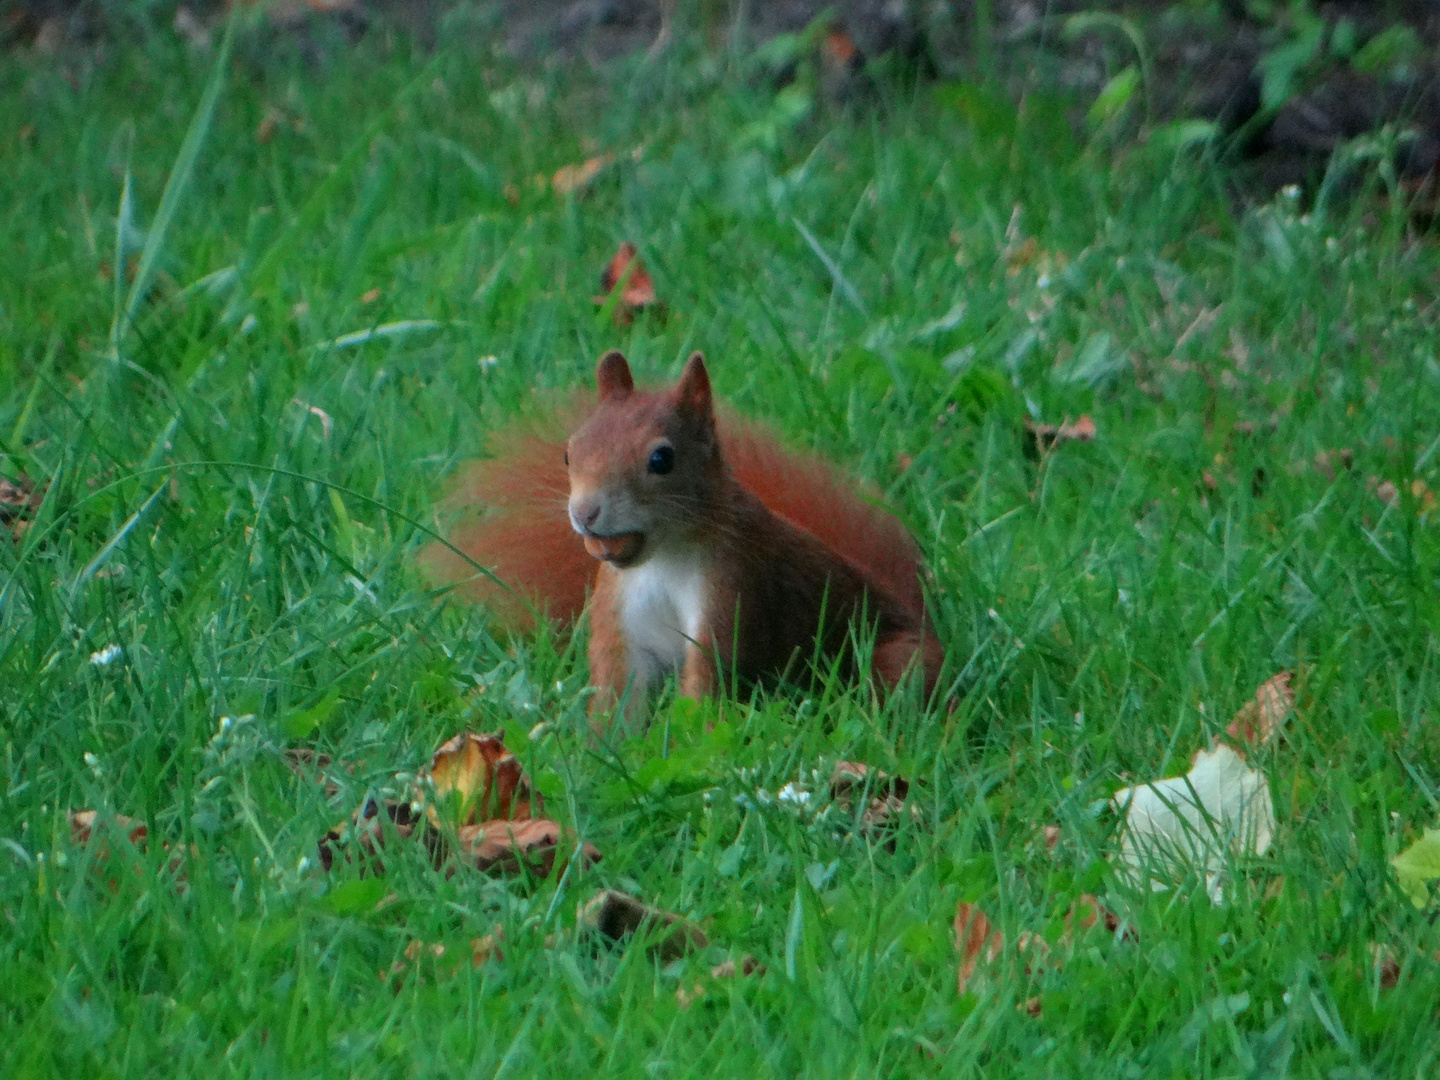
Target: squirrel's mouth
{"type": "Point", "coordinates": [620, 550]}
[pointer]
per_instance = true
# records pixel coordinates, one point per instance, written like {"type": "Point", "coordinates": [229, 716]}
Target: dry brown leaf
{"type": "Point", "coordinates": [617, 915]}
{"type": "Point", "coordinates": [569, 179]}
{"type": "Point", "coordinates": [82, 826]}
{"type": "Point", "coordinates": [1087, 912]}
{"type": "Point", "coordinates": [1385, 965]}
{"type": "Point", "coordinates": [506, 845]}
{"type": "Point", "coordinates": [82, 833]}
{"type": "Point", "coordinates": [1259, 720]}
{"type": "Point", "coordinates": [19, 499]}
{"type": "Point", "coordinates": [1325, 461]}
{"type": "Point", "coordinates": [726, 969]}
{"type": "Point", "coordinates": [474, 778]}
{"type": "Point", "coordinates": [1045, 437]}
{"type": "Point", "coordinates": [638, 293]}
{"type": "Point", "coordinates": [1030, 1007]}
{"type": "Point", "coordinates": [308, 765]}
{"type": "Point", "coordinates": [840, 51]}
{"type": "Point", "coordinates": [1389, 494]}
{"type": "Point", "coordinates": [487, 948]}
{"type": "Point", "coordinates": [1018, 255]}
{"type": "Point", "coordinates": [887, 793]}
{"type": "Point", "coordinates": [364, 834]}
{"type": "Point", "coordinates": [975, 940]}
{"type": "Point", "coordinates": [1051, 833]}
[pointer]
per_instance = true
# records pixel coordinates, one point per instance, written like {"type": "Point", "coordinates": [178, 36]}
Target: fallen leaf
{"type": "Point", "coordinates": [1087, 912]}
{"type": "Point", "coordinates": [1325, 461]}
{"type": "Point", "coordinates": [888, 794]}
{"type": "Point", "coordinates": [308, 765]}
{"type": "Point", "coordinates": [82, 827]}
{"type": "Point", "coordinates": [975, 940]}
{"type": "Point", "coordinates": [1045, 437]}
{"type": "Point", "coordinates": [638, 293]}
{"type": "Point", "coordinates": [19, 499]}
{"type": "Point", "coordinates": [1259, 720]}
{"type": "Point", "coordinates": [840, 50]}
{"type": "Point", "coordinates": [364, 834]}
{"type": "Point", "coordinates": [617, 915]}
{"type": "Point", "coordinates": [369, 296]}
{"type": "Point", "coordinates": [506, 845]}
{"type": "Point", "coordinates": [1034, 950]}
{"type": "Point", "coordinates": [1192, 820]}
{"type": "Point", "coordinates": [474, 778]}
{"type": "Point", "coordinates": [726, 969]}
{"type": "Point", "coordinates": [569, 179]}
{"type": "Point", "coordinates": [1030, 1007]}
{"type": "Point", "coordinates": [1385, 964]}
{"type": "Point", "coordinates": [1051, 834]}
{"type": "Point", "coordinates": [83, 833]}
{"type": "Point", "coordinates": [487, 948]}
{"type": "Point", "coordinates": [1417, 866]}
{"type": "Point", "coordinates": [1018, 255]}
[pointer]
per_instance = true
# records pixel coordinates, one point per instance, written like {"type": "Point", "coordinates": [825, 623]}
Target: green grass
{"type": "Point", "coordinates": [1108, 611]}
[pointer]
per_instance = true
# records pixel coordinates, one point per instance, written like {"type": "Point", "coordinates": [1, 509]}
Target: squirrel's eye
{"type": "Point", "coordinates": [662, 460]}
{"type": "Point", "coordinates": [567, 458]}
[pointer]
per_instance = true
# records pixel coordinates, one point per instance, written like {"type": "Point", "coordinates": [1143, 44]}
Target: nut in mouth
{"type": "Point", "coordinates": [620, 550]}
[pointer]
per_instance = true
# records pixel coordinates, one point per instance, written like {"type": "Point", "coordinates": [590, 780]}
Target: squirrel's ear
{"type": "Point", "coordinates": [612, 376]}
{"type": "Point", "coordinates": [693, 390]}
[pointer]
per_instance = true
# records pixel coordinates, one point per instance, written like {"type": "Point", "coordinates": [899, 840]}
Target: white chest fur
{"type": "Point", "coordinates": [662, 610]}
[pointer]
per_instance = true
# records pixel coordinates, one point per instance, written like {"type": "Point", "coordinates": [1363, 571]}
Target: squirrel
{"type": "Point", "coordinates": [718, 550]}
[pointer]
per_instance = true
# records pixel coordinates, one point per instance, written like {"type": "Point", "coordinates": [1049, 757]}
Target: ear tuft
{"type": "Point", "coordinates": [693, 390]}
{"type": "Point", "coordinates": [612, 376]}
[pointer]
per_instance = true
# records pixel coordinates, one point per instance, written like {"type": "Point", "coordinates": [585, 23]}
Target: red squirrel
{"type": "Point", "coordinates": [718, 550]}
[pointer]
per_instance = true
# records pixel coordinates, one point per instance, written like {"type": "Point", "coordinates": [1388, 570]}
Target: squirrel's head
{"type": "Point", "coordinates": [644, 465]}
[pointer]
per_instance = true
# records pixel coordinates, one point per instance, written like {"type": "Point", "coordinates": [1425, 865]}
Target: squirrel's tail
{"type": "Point", "coordinates": [814, 495]}
{"type": "Point", "coordinates": [514, 521]}
{"type": "Point", "coordinates": [518, 524]}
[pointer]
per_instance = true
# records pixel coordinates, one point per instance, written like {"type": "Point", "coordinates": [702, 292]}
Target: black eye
{"type": "Point", "coordinates": [567, 458]}
{"type": "Point", "coordinates": [662, 460]}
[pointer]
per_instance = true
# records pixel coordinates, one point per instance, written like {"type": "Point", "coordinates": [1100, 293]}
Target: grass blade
{"type": "Point", "coordinates": [180, 174]}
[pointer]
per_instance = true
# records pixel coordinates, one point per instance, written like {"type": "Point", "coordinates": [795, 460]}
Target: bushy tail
{"type": "Point", "coordinates": [516, 522]}
{"type": "Point", "coordinates": [813, 494]}
{"type": "Point", "coordinates": [513, 520]}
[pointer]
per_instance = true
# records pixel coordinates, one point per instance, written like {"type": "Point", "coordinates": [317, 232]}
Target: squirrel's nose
{"type": "Point", "coordinates": [585, 512]}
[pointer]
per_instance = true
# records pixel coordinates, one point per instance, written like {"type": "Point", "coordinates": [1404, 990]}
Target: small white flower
{"type": "Point", "coordinates": [794, 794]}
{"type": "Point", "coordinates": [106, 656]}
{"type": "Point", "coordinates": [94, 763]}
{"type": "Point", "coordinates": [1043, 281]}
{"type": "Point", "coordinates": [1291, 191]}
{"type": "Point", "coordinates": [489, 363]}
{"type": "Point", "coordinates": [763, 797]}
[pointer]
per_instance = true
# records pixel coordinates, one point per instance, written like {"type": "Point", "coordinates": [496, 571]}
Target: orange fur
{"type": "Point", "coordinates": [792, 552]}
{"type": "Point", "coordinates": [522, 532]}
{"type": "Point", "coordinates": [513, 522]}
